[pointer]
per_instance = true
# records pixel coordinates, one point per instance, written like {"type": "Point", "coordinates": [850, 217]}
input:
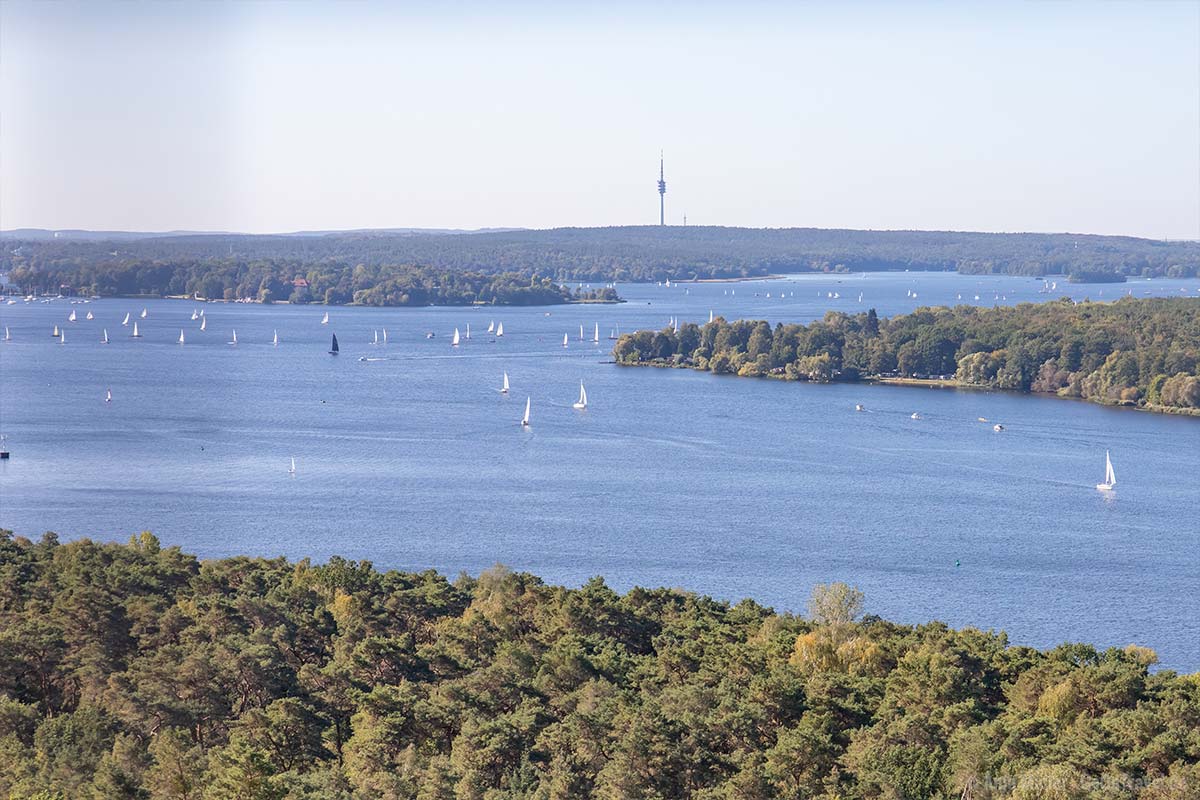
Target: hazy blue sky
{"type": "Point", "coordinates": [1061, 116]}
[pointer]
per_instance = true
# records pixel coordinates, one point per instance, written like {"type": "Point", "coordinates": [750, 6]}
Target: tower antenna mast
{"type": "Point", "coordinates": [662, 190]}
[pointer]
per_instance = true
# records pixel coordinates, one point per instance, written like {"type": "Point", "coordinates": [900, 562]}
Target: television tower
{"type": "Point", "coordinates": [662, 190]}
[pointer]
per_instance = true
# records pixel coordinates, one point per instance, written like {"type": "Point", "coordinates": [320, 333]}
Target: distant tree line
{"type": "Point", "coordinates": [135, 671]}
{"type": "Point", "coordinates": [1143, 352]}
{"type": "Point", "coordinates": [638, 253]}
{"type": "Point", "coordinates": [271, 280]}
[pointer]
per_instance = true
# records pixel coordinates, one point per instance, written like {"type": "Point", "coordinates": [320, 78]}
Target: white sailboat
{"type": "Point", "coordinates": [275, 338]}
{"type": "Point", "coordinates": [454, 342]}
{"type": "Point", "coordinates": [203, 323]}
{"type": "Point", "coordinates": [105, 339]}
{"type": "Point", "coordinates": [385, 336]}
{"type": "Point", "coordinates": [62, 337]}
{"type": "Point", "coordinates": [468, 336]}
{"type": "Point", "coordinates": [234, 340]}
{"type": "Point", "coordinates": [376, 339]}
{"type": "Point", "coordinates": [292, 468]}
{"type": "Point", "coordinates": [616, 333]}
{"type": "Point", "coordinates": [325, 319]}
{"type": "Point", "coordinates": [135, 334]}
{"type": "Point", "coordinates": [1110, 477]}
{"type": "Point", "coordinates": [500, 330]}
{"type": "Point", "coordinates": [525, 419]}
{"type": "Point", "coordinates": [504, 388]}
{"type": "Point", "coordinates": [491, 326]}
{"type": "Point", "coordinates": [195, 315]}
{"type": "Point", "coordinates": [125, 322]}
{"type": "Point", "coordinates": [7, 335]}
{"type": "Point", "coordinates": [202, 312]}
{"type": "Point", "coordinates": [144, 312]}
{"type": "Point", "coordinates": [596, 334]}
{"type": "Point", "coordinates": [581, 333]}
{"type": "Point", "coordinates": [56, 333]}
{"type": "Point", "coordinates": [564, 340]}
{"type": "Point", "coordinates": [72, 317]}
{"type": "Point", "coordinates": [108, 396]}
{"type": "Point", "coordinates": [710, 315]}
{"type": "Point", "coordinates": [581, 403]}
{"type": "Point", "coordinates": [181, 335]}
{"type": "Point", "coordinates": [89, 316]}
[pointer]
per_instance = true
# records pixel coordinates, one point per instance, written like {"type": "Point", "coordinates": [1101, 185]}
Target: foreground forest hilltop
{"type": "Point", "coordinates": [136, 671]}
{"type": "Point", "coordinates": [407, 268]}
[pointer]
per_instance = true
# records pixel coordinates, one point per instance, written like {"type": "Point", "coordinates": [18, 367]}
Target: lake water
{"type": "Point", "coordinates": [727, 486]}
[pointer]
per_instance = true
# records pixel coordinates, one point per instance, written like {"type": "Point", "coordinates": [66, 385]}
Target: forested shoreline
{"type": "Point", "coordinates": [214, 263]}
{"type": "Point", "coordinates": [137, 671]}
{"type": "Point", "coordinates": [1134, 352]}
{"type": "Point", "coordinates": [275, 280]}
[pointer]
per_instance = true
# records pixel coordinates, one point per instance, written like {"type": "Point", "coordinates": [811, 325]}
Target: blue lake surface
{"type": "Point", "coordinates": [726, 486]}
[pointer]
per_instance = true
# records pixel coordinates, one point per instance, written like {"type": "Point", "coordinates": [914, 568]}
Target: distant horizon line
{"type": "Point", "coordinates": [419, 231]}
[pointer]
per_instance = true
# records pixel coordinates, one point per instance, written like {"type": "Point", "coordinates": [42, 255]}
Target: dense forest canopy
{"type": "Point", "coordinates": [1143, 352]}
{"type": "Point", "coordinates": [136, 671]}
{"type": "Point", "coordinates": [645, 253]}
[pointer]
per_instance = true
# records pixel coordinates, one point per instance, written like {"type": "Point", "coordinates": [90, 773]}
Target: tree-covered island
{"type": "Point", "coordinates": [136, 671]}
{"type": "Point", "coordinates": [1135, 352]}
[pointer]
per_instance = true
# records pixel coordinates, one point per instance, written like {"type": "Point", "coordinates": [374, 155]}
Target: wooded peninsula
{"type": "Point", "coordinates": [276, 280]}
{"type": "Point", "coordinates": [137, 671]}
{"type": "Point", "coordinates": [1133, 352]}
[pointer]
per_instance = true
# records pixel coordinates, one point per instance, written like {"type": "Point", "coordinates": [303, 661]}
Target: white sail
{"type": "Point", "coordinates": [325, 319]}
{"type": "Point", "coordinates": [581, 333]}
{"type": "Point", "coordinates": [195, 315]}
{"type": "Point", "coordinates": [564, 340]}
{"type": "Point", "coordinates": [234, 336]}
{"type": "Point", "coordinates": [468, 336]}
{"type": "Point", "coordinates": [181, 335]}
{"type": "Point", "coordinates": [105, 339]}
{"type": "Point", "coordinates": [108, 396]}
{"type": "Point", "coordinates": [202, 312]}
{"type": "Point", "coordinates": [376, 339]}
{"type": "Point", "coordinates": [7, 335]}
{"type": "Point", "coordinates": [454, 342]}
{"type": "Point", "coordinates": [62, 337]}
{"type": "Point", "coordinates": [710, 315]}
{"type": "Point", "coordinates": [582, 402]}
{"type": "Point", "coordinates": [1110, 477]}
{"type": "Point", "coordinates": [126, 320]}
{"type": "Point", "coordinates": [136, 335]}
{"type": "Point", "coordinates": [292, 469]}
{"type": "Point", "coordinates": [275, 339]}
{"type": "Point", "coordinates": [144, 313]}
{"type": "Point", "coordinates": [525, 419]}
{"type": "Point", "coordinates": [596, 334]}
{"type": "Point", "coordinates": [491, 326]}
{"type": "Point", "coordinates": [204, 323]}
{"type": "Point", "coordinates": [56, 333]}
{"type": "Point", "coordinates": [500, 329]}
{"type": "Point", "coordinates": [504, 388]}
{"type": "Point", "coordinates": [89, 316]}
{"type": "Point", "coordinates": [385, 335]}
{"type": "Point", "coordinates": [72, 317]}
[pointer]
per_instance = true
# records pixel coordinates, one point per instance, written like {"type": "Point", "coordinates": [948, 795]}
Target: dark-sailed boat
{"type": "Point", "coordinates": [333, 348]}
